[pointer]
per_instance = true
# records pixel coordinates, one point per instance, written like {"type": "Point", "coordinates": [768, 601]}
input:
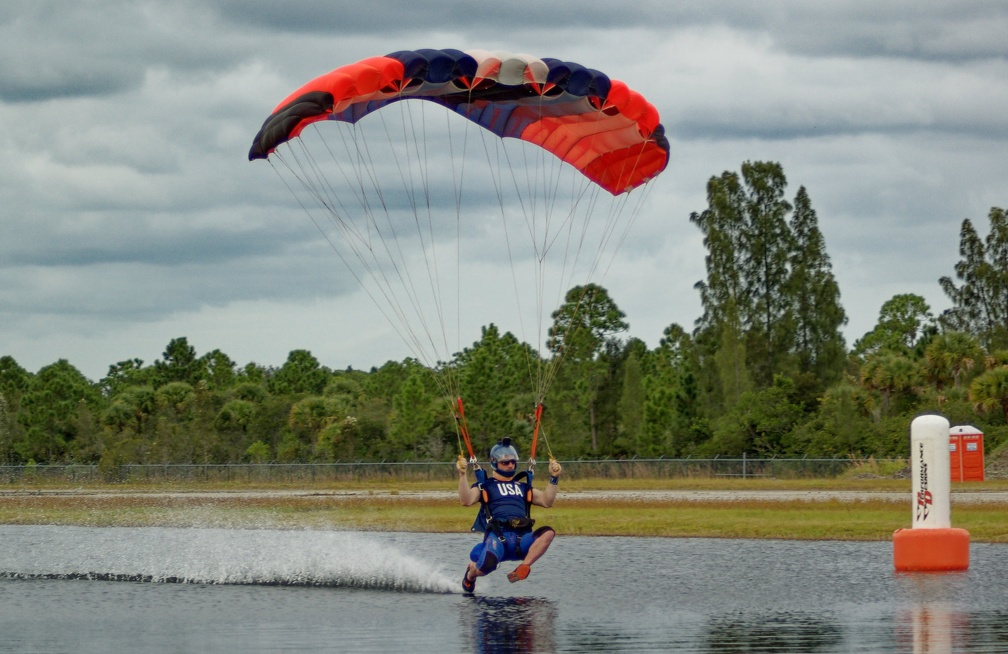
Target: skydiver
{"type": "Point", "coordinates": [504, 517]}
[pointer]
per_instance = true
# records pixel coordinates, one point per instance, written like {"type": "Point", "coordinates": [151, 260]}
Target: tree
{"type": "Point", "coordinates": [905, 323]}
{"type": "Point", "coordinates": [51, 411]}
{"type": "Point", "coordinates": [9, 432]}
{"type": "Point", "coordinates": [818, 315]}
{"type": "Point", "coordinates": [496, 385]}
{"type": "Point", "coordinates": [723, 295]}
{"type": "Point", "coordinates": [131, 408]}
{"type": "Point", "coordinates": [950, 356]}
{"type": "Point", "coordinates": [989, 391]}
{"type": "Point", "coordinates": [890, 374]}
{"type": "Point", "coordinates": [749, 244]}
{"type": "Point", "coordinates": [582, 324]}
{"type": "Point", "coordinates": [236, 416]}
{"type": "Point", "coordinates": [300, 374]}
{"type": "Point", "coordinates": [771, 305]}
{"type": "Point", "coordinates": [258, 452]}
{"type": "Point", "coordinates": [411, 421]}
{"type": "Point", "coordinates": [734, 377]}
{"type": "Point", "coordinates": [671, 408]}
{"type": "Point", "coordinates": [631, 405]}
{"type": "Point", "coordinates": [980, 304]}
{"type": "Point", "coordinates": [179, 363]}
{"type": "Point", "coordinates": [129, 372]}
{"type": "Point", "coordinates": [14, 381]}
{"type": "Point", "coordinates": [843, 426]}
{"type": "Point", "coordinates": [220, 369]}
{"type": "Point", "coordinates": [767, 243]}
{"type": "Point", "coordinates": [581, 327]}
{"type": "Point", "coordinates": [759, 422]}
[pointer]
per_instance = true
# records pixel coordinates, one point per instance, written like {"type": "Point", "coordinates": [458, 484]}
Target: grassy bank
{"type": "Point", "coordinates": [431, 507]}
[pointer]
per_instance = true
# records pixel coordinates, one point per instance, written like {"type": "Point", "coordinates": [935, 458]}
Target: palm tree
{"type": "Point", "coordinates": [989, 391]}
{"type": "Point", "coordinates": [890, 373]}
{"type": "Point", "coordinates": [951, 355]}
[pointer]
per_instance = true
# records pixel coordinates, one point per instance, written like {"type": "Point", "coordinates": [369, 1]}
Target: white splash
{"type": "Point", "coordinates": [226, 556]}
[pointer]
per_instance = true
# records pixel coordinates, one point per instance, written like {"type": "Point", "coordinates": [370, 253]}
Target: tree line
{"type": "Point", "coordinates": [765, 370]}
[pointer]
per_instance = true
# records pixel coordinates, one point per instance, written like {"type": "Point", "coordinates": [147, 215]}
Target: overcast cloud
{"type": "Point", "coordinates": [129, 214]}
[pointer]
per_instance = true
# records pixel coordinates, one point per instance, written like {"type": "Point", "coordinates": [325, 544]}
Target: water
{"type": "Point", "coordinates": [76, 589]}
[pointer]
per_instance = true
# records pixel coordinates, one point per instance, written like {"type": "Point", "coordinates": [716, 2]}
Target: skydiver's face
{"type": "Point", "coordinates": [506, 468]}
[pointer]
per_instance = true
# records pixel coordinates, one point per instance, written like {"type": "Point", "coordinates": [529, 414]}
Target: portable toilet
{"type": "Point", "coordinates": [966, 453]}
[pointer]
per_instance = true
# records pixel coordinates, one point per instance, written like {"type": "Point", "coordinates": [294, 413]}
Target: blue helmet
{"type": "Point", "coordinates": [504, 451]}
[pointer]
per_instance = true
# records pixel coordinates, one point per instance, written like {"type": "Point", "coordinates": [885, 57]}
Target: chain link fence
{"type": "Point", "coordinates": [362, 471]}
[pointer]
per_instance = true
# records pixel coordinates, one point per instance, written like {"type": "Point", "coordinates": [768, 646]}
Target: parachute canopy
{"type": "Point", "coordinates": [512, 162]}
{"type": "Point", "coordinates": [605, 130]}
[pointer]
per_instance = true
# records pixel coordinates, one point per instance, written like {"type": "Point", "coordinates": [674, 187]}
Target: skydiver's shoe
{"type": "Point", "coordinates": [521, 572]}
{"type": "Point", "coordinates": [468, 585]}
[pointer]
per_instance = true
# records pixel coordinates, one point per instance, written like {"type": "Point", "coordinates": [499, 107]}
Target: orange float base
{"type": "Point", "coordinates": [930, 550]}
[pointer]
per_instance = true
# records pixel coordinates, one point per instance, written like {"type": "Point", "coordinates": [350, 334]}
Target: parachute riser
{"type": "Point", "coordinates": [463, 428]}
{"type": "Point", "coordinates": [535, 435]}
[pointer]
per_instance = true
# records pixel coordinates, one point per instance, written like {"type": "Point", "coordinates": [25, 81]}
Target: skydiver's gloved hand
{"type": "Point", "coordinates": [461, 464]}
{"type": "Point", "coordinates": [554, 468]}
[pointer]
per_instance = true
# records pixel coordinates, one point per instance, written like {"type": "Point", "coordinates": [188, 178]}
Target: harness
{"type": "Point", "coordinates": [486, 522]}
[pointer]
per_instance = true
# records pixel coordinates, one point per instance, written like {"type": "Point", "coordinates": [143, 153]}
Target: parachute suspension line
{"type": "Point", "coordinates": [399, 260]}
{"type": "Point", "coordinates": [393, 252]}
{"type": "Point", "coordinates": [576, 230]}
{"type": "Point", "coordinates": [610, 234]}
{"type": "Point", "coordinates": [458, 184]}
{"type": "Point", "coordinates": [353, 237]}
{"type": "Point", "coordinates": [549, 187]}
{"type": "Point", "coordinates": [494, 161]}
{"type": "Point", "coordinates": [539, 186]}
{"type": "Point", "coordinates": [328, 200]}
{"type": "Point", "coordinates": [424, 223]}
{"type": "Point", "coordinates": [359, 240]}
{"type": "Point", "coordinates": [431, 262]}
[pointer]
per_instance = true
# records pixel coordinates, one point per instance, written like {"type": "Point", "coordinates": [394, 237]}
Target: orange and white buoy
{"type": "Point", "coordinates": [931, 544]}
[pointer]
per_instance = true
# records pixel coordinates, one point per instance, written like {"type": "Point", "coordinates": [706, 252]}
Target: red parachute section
{"type": "Point", "coordinates": [607, 131]}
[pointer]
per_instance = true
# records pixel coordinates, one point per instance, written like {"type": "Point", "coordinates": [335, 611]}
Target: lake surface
{"type": "Point", "coordinates": [78, 589]}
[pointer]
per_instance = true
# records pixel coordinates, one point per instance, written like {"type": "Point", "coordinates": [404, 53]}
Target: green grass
{"type": "Point", "coordinates": [395, 507]}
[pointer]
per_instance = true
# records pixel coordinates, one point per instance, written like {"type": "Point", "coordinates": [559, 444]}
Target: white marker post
{"type": "Point", "coordinates": [930, 470]}
{"type": "Point", "coordinates": [932, 544]}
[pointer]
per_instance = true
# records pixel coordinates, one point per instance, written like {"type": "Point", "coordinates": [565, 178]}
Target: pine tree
{"type": "Point", "coordinates": [980, 304]}
{"type": "Point", "coordinates": [767, 246]}
{"type": "Point", "coordinates": [818, 315]}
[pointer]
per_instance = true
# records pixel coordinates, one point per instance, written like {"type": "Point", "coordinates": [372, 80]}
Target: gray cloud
{"type": "Point", "coordinates": [129, 213]}
{"type": "Point", "coordinates": [55, 50]}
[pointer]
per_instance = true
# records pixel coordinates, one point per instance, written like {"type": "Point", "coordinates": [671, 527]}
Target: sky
{"type": "Point", "coordinates": [130, 214]}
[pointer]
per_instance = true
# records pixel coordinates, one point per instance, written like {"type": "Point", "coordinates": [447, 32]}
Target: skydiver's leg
{"type": "Point", "coordinates": [541, 540]}
{"type": "Point", "coordinates": [484, 558]}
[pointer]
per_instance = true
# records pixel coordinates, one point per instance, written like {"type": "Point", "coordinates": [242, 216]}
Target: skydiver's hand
{"type": "Point", "coordinates": [554, 468]}
{"type": "Point", "coordinates": [461, 464]}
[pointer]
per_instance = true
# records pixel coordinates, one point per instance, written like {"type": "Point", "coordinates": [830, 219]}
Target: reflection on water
{"type": "Point", "coordinates": [509, 625]}
{"type": "Point", "coordinates": [782, 632]}
{"type": "Point", "coordinates": [938, 628]}
{"type": "Point", "coordinates": [932, 628]}
{"type": "Point", "coordinates": [62, 589]}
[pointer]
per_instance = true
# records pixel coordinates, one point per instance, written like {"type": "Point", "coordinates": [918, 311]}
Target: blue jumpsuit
{"type": "Point", "coordinates": [505, 500]}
